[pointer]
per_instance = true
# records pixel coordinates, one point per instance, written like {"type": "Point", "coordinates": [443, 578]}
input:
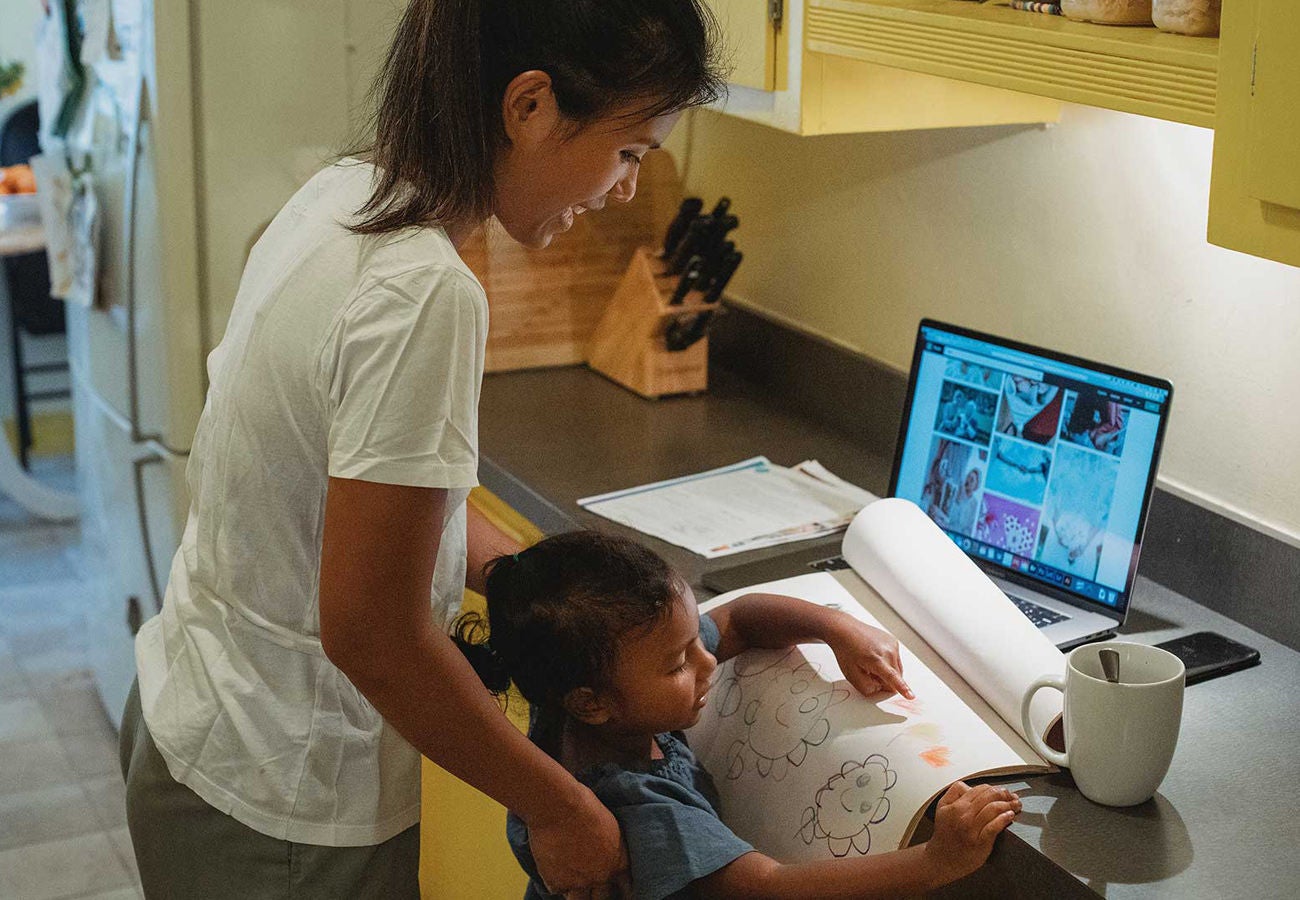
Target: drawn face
{"type": "Point", "coordinates": [851, 801]}
{"type": "Point", "coordinates": [790, 711]}
{"type": "Point", "coordinates": [663, 673]}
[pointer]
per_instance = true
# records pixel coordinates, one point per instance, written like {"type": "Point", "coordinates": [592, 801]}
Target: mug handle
{"type": "Point", "coordinates": [1035, 740]}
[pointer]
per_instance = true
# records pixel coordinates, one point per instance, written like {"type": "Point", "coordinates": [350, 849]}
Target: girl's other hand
{"type": "Point", "coordinates": [965, 824]}
{"type": "Point", "coordinates": [869, 658]}
{"type": "Point", "coordinates": [579, 850]}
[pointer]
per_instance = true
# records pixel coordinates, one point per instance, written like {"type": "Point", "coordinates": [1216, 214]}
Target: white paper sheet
{"type": "Point", "coordinates": [56, 191]}
{"type": "Point", "coordinates": [955, 608]}
{"type": "Point", "coordinates": [807, 768]}
{"type": "Point", "coordinates": [740, 507]}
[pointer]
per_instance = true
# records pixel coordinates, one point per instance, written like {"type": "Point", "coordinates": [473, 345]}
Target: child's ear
{"type": "Point", "coordinates": [587, 706]}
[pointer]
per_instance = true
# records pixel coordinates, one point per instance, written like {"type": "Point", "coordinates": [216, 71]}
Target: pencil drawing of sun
{"type": "Point", "coordinates": [852, 800]}
{"type": "Point", "coordinates": [783, 705]}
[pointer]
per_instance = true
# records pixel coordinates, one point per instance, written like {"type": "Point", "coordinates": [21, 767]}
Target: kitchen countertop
{"type": "Point", "coordinates": [1223, 823]}
{"type": "Point", "coordinates": [21, 239]}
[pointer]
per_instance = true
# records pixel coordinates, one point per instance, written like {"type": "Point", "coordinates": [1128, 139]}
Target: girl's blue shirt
{"type": "Point", "coordinates": [666, 809]}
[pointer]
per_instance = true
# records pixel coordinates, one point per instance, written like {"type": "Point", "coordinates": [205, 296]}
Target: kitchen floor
{"type": "Point", "coordinates": [62, 805]}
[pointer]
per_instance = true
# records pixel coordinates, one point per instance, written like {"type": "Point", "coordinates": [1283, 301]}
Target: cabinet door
{"type": "Point", "coordinates": [750, 40]}
{"type": "Point", "coordinates": [1255, 187]}
{"type": "Point", "coordinates": [1274, 176]}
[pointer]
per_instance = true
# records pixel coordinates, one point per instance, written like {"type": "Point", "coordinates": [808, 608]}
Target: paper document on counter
{"type": "Point", "coordinates": [740, 507]}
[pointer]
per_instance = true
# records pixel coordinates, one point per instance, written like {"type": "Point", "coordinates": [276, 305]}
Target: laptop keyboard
{"type": "Point", "coordinates": [829, 564]}
{"type": "Point", "coordinates": [1041, 616]}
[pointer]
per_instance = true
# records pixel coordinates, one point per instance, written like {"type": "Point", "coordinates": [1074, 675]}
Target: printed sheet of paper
{"type": "Point", "coordinates": [740, 507]}
{"type": "Point", "coordinates": [807, 768]}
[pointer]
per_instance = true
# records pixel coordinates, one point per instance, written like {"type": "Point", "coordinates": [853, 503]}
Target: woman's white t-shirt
{"type": "Point", "coordinates": [346, 356]}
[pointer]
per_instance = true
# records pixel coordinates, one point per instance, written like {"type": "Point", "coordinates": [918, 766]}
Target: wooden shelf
{"type": "Point", "coordinates": [1131, 69]}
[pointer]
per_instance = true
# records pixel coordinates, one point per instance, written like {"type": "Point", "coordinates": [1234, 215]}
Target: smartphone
{"type": "Point", "coordinates": [1207, 654]}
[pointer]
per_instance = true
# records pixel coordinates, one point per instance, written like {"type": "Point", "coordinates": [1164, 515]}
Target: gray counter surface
{"type": "Point", "coordinates": [1225, 821]}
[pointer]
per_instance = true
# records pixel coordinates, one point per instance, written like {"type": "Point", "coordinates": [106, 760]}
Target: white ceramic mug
{"type": "Point", "coordinates": [1119, 738]}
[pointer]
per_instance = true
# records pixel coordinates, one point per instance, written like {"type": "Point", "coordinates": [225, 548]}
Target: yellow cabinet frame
{"type": "Point", "coordinates": [1255, 185]}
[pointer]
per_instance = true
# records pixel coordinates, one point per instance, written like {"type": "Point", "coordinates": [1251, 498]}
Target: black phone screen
{"type": "Point", "coordinates": [1207, 654]}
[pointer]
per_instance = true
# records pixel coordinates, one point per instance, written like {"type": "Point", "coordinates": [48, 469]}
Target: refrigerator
{"type": "Point", "coordinates": [198, 121]}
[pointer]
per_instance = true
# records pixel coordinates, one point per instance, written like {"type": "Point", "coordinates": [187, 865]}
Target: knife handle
{"type": "Point", "coordinates": [689, 246]}
{"type": "Point", "coordinates": [724, 204]}
{"type": "Point", "coordinates": [714, 259]}
{"type": "Point", "coordinates": [696, 330]}
{"type": "Point", "coordinates": [684, 332]}
{"type": "Point", "coordinates": [720, 278]}
{"type": "Point", "coordinates": [686, 213]}
{"type": "Point", "coordinates": [688, 281]}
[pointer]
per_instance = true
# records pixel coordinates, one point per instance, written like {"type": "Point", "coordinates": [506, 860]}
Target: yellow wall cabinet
{"type": "Point", "coordinates": [1136, 70]}
{"type": "Point", "coordinates": [751, 27]}
{"type": "Point", "coordinates": [884, 65]}
{"type": "Point", "coordinates": [1255, 185]}
{"type": "Point", "coordinates": [780, 81]}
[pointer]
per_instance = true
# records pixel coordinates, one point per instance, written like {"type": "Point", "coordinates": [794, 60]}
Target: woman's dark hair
{"type": "Point", "coordinates": [437, 120]}
{"type": "Point", "coordinates": [558, 610]}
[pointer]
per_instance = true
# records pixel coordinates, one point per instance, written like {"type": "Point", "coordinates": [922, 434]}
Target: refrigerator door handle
{"type": "Point", "coordinates": [138, 466]}
{"type": "Point", "coordinates": [138, 435]}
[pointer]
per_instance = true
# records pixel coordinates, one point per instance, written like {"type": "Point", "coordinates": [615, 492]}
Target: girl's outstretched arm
{"type": "Point", "coordinates": [868, 656]}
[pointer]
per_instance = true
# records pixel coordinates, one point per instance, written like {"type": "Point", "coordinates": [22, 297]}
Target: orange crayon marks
{"type": "Point", "coordinates": [911, 706]}
{"type": "Point", "coordinates": [936, 756]}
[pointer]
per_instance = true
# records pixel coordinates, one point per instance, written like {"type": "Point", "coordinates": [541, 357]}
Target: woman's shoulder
{"type": "Point", "coordinates": [417, 261]}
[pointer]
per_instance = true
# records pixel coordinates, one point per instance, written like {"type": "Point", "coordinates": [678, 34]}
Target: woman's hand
{"type": "Point", "coordinates": [965, 824]}
{"type": "Point", "coordinates": [868, 657]}
{"type": "Point", "coordinates": [579, 850]}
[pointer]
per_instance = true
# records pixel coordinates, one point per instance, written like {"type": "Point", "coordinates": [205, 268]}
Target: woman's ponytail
{"type": "Point", "coordinates": [470, 634]}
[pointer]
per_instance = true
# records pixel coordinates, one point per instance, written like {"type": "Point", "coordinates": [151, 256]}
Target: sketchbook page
{"type": "Point", "coordinates": [955, 608]}
{"type": "Point", "coordinates": [1029, 760]}
{"type": "Point", "coordinates": [807, 768]}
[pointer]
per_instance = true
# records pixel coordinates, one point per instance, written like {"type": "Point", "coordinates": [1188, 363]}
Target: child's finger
{"type": "Point", "coordinates": [991, 812]}
{"type": "Point", "coordinates": [954, 793]}
{"type": "Point", "coordinates": [999, 824]}
{"type": "Point", "coordinates": [889, 679]}
{"type": "Point", "coordinates": [976, 798]}
{"type": "Point", "coordinates": [866, 683]}
{"type": "Point", "coordinates": [896, 681]}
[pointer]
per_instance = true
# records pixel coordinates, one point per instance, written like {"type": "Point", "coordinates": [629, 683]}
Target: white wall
{"type": "Point", "coordinates": [1087, 236]}
{"type": "Point", "coordinates": [18, 19]}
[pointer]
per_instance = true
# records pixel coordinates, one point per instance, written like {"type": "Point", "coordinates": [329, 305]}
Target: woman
{"type": "Point", "coordinates": [298, 669]}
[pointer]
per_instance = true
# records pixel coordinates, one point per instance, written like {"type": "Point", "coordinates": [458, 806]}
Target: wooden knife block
{"type": "Point", "coordinates": [627, 345]}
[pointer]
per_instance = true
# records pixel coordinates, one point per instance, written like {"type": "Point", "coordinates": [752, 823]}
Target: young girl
{"type": "Point", "coordinates": [299, 667]}
{"type": "Point", "coordinates": [606, 643]}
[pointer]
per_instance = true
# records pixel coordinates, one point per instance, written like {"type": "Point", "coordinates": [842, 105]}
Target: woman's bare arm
{"type": "Point", "coordinates": [376, 624]}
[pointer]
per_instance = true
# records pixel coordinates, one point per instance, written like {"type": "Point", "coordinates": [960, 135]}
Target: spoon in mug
{"type": "Point", "coordinates": [1110, 664]}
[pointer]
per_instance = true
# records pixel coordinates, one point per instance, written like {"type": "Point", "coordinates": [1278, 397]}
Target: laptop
{"type": "Point", "coordinates": [1039, 465]}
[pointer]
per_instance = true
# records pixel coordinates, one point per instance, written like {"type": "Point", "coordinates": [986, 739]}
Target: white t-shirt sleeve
{"type": "Point", "coordinates": [407, 365]}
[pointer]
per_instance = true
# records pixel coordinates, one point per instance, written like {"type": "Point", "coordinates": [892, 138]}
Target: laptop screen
{"type": "Point", "coordinates": [1039, 465]}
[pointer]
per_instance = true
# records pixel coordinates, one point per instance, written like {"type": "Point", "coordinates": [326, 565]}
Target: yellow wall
{"type": "Point", "coordinates": [1087, 236]}
{"type": "Point", "coordinates": [463, 850]}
